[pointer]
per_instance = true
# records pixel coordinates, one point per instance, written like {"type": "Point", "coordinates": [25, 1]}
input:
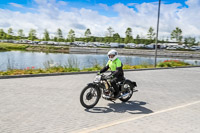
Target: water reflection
{"type": "Point", "coordinates": [21, 59]}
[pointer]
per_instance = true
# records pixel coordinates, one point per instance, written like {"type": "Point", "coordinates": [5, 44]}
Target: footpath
{"type": "Point", "coordinates": [168, 101]}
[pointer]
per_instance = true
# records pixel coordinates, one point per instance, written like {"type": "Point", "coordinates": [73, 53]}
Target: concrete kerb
{"type": "Point", "coordinates": [91, 72]}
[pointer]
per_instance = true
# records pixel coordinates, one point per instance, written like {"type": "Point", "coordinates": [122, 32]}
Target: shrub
{"type": "Point", "coordinates": [172, 63]}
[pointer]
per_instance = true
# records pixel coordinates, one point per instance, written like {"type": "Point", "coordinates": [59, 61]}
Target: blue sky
{"type": "Point", "coordinates": [98, 15]}
{"type": "Point", "coordinates": [109, 2]}
{"type": "Point", "coordinates": [5, 4]}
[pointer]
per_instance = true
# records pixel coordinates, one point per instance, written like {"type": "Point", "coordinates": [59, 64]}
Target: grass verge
{"type": "Point", "coordinates": [27, 47]}
{"type": "Point", "coordinates": [96, 67]}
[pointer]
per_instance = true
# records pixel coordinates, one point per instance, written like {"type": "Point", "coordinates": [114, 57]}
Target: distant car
{"type": "Point", "coordinates": [171, 48]}
{"type": "Point", "coordinates": [195, 48]}
{"type": "Point", "coordinates": [131, 45]}
{"type": "Point", "coordinates": [43, 42]}
{"type": "Point", "coordinates": [121, 45]}
{"type": "Point", "coordinates": [100, 44]}
{"type": "Point", "coordinates": [150, 46]}
{"type": "Point", "coordinates": [140, 46]}
{"type": "Point", "coordinates": [16, 42]}
{"type": "Point", "coordinates": [56, 43]}
{"type": "Point", "coordinates": [50, 42]}
{"type": "Point", "coordinates": [63, 43]}
{"type": "Point", "coordinates": [114, 45]}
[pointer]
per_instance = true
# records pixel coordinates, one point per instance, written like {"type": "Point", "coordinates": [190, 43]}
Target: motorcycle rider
{"type": "Point", "coordinates": [117, 74]}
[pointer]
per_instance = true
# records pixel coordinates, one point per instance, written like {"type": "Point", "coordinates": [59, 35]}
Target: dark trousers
{"type": "Point", "coordinates": [114, 85]}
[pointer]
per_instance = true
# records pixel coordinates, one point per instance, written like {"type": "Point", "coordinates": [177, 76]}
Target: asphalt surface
{"type": "Point", "coordinates": [168, 101]}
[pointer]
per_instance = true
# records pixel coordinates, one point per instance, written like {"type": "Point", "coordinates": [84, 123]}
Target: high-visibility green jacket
{"type": "Point", "coordinates": [115, 67]}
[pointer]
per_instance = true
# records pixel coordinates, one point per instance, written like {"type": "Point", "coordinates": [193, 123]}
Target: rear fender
{"type": "Point", "coordinates": [132, 82]}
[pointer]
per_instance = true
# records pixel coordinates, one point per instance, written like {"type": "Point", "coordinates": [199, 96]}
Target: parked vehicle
{"type": "Point", "coordinates": [140, 46]}
{"type": "Point", "coordinates": [43, 42]}
{"type": "Point", "coordinates": [150, 46]}
{"type": "Point", "coordinates": [121, 45]}
{"type": "Point", "coordinates": [131, 45]}
{"type": "Point", "coordinates": [171, 48]}
{"type": "Point", "coordinates": [98, 44]}
{"type": "Point", "coordinates": [114, 45]}
{"type": "Point", "coordinates": [79, 43]}
{"type": "Point", "coordinates": [51, 42]}
{"type": "Point", "coordinates": [101, 86]}
{"type": "Point", "coordinates": [195, 48]}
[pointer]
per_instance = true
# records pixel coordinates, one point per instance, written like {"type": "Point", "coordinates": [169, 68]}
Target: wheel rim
{"type": "Point", "coordinates": [127, 89]}
{"type": "Point", "coordinates": [90, 96]}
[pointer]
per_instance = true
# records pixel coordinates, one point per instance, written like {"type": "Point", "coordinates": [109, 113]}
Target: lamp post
{"type": "Point", "coordinates": [155, 63]}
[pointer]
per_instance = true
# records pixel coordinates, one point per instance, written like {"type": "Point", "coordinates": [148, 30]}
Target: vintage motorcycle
{"type": "Point", "coordinates": [101, 86]}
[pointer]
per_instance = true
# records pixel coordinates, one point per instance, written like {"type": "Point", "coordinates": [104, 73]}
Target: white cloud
{"type": "Point", "coordinates": [131, 4]}
{"type": "Point", "coordinates": [49, 15]}
{"type": "Point", "coordinates": [16, 5]}
{"type": "Point", "coordinates": [104, 6]}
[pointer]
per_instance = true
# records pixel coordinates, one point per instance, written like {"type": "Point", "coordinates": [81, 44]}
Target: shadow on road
{"type": "Point", "coordinates": [132, 107]}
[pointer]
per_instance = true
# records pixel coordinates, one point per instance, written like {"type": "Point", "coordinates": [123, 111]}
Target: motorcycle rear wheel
{"type": "Point", "coordinates": [128, 89]}
{"type": "Point", "coordinates": [89, 96]}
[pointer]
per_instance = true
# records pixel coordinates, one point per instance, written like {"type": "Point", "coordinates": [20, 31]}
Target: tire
{"type": "Point", "coordinates": [128, 88]}
{"type": "Point", "coordinates": [88, 93]}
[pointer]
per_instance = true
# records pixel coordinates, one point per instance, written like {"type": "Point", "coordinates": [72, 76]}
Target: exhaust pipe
{"type": "Point", "coordinates": [124, 95]}
{"type": "Point", "coordinates": [106, 97]}
{"type": "Point", "coordinates": [127, 94]}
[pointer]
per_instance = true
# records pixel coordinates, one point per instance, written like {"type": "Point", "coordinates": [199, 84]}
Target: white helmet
{"type": "Point", "coordinates": [112, 52]}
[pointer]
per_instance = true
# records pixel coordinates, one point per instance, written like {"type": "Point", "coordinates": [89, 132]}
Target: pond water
{"type": "Point", "coordinates": [22, 60]}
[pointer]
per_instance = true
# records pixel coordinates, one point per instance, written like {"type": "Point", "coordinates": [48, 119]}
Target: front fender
{"type": "Point", "coordinates": [95, 86]}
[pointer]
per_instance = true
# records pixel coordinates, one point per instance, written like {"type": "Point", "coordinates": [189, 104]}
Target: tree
{"type": "Point", "coordinates": [32, 34]}
{"type": "Point", "coordinates": [129, 36]}
{"type": "Point", "coordinates": [59, 35]}
{"type": "Point", "coordinates": [46, 35]}
{"type": "Point", "coordinates": [110, 31]}
{"type": "Point", "coordinates": [177, 34]}
{"type": "Point", "coordinates": [137, 39]}
{"type": "Point", "coordinates": [87, 34]}
{"type": "Point", "coordinates": [93, 39]}
{"type": "Point", "coordinates": [55, 39]}
{"type": "Point", "coordinates": [151, 34]}
{"type": "Point", "coordinates": [71, 36]}
{"type": "Point", "coordinates": [116, 37]}
{"type": "Point", "coordinates": [128, 31]}
{"type": "Point", "coordinates": [190, 40]}
{"type": "Point", "coordinates": [10, 33]}
{"type": "Point", "coordinates": [2, 34]}
{"type": "Point", "coordinates": [109, 36]}
{"type": "Point", "coordinates": [20, 34]}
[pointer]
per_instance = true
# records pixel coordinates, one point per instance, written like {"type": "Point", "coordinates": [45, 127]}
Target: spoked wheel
{"type": "Point", "coordinates": [128, 92]}
{"type": "Point", "coordinates": [89, 96]}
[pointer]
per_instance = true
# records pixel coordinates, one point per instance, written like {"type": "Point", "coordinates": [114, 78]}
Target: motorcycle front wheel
{"type": "Point", "coordinates": [89, 96]}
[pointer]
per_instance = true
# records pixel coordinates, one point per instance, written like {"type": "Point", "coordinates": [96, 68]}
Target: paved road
{"type": "Point", "coordinates": [168, 101]}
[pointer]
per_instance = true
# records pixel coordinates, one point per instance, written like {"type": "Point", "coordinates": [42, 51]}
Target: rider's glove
{"type": "Point", "coordinates": [98, 73]}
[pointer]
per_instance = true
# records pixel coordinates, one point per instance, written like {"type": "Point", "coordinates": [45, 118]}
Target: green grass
{"type": "Point", "coordinates": [28, 47]}
{"type": "Point", "coordinates": [3, 49]}
{"type": "Point", "coordinates": [11, 46]}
